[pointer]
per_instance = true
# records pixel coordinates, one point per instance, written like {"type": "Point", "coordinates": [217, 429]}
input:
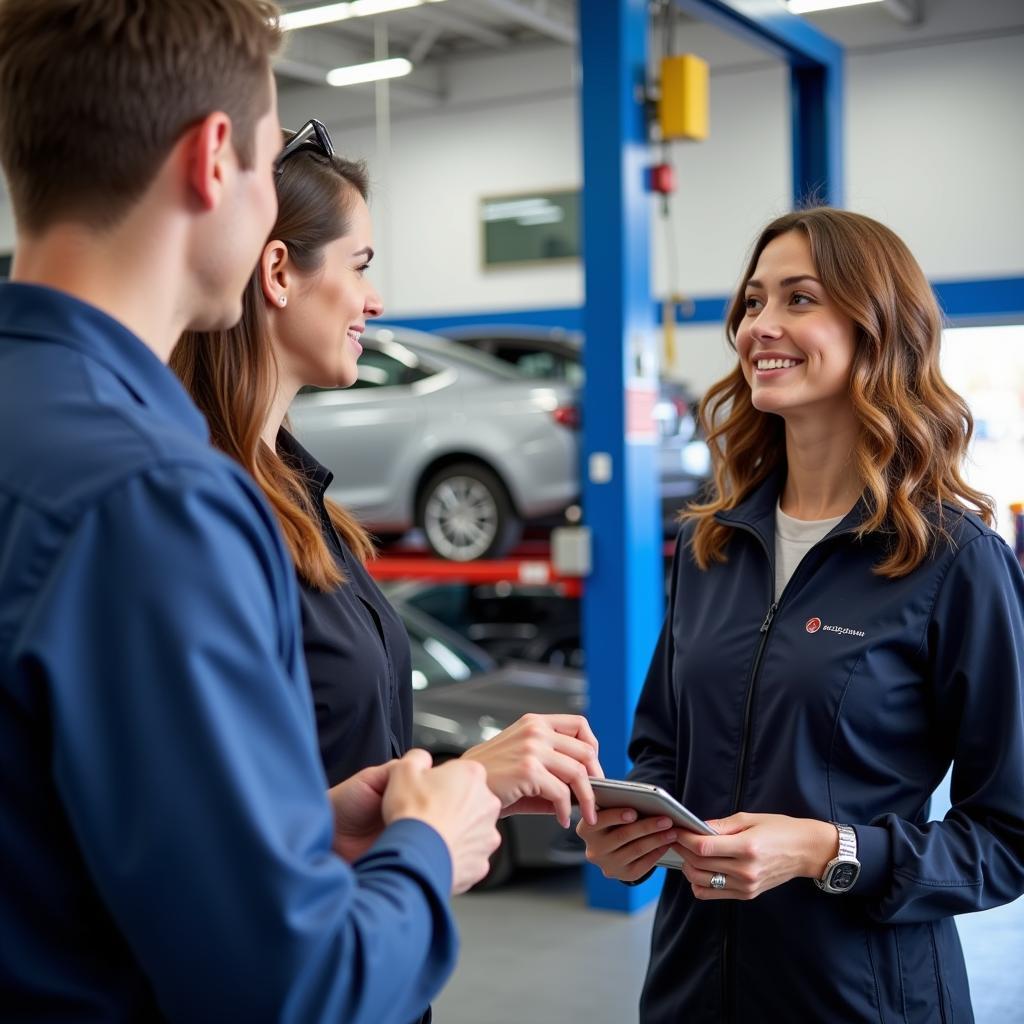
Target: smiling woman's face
{"type": "Point", "coordinates": [795, 345]}
{"type": "Point", "coordinates": [318, 342]}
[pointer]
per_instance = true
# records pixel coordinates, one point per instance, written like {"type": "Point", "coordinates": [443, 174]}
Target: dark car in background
{"type": "Point", "coordinates": [556, 355]}
{"type": "Point", "coordinates": [462, 697]}
{"type": "Point", "coordinates": [510, 621]}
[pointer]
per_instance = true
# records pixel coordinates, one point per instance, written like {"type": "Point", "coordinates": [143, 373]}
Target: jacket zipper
{"type": "Point", "coordinates": [748, 710]}
{"type": "Point", "coordinates": [766, 625]}
{"type": "Point", "coordinates": [727, 971]}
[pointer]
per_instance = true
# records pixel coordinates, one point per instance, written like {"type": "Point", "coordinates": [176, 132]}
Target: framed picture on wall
{"type": "Point", "coordinates": [530, 227]}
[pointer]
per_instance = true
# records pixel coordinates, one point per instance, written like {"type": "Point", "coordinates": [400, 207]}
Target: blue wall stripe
{"type": "Point", "coordinates": [992, 298]}
{"type": "Point", "coordinates": [999, 298]}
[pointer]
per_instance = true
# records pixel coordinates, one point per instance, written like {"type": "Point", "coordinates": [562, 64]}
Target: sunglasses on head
{"type": "Point", "coordinates": [312, 135]}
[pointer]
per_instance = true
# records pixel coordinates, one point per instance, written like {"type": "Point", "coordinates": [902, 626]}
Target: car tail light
{"type": "Point", "coordinates": [568, 416]}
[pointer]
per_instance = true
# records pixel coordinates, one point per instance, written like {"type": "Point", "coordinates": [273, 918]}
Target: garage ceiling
{"type": "Point", "coordinates": [437, 36]}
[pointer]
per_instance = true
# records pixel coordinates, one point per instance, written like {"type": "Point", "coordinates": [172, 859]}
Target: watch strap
{"type": "Point", "coordinates": [847, 841]}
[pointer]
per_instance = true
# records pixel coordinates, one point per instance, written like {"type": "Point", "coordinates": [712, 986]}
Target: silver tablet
{"type": "Point", "coordinates": [649, 802]}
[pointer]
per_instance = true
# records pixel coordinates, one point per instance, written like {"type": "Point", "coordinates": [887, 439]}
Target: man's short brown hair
{"type": "Point", "coordinates": [95, 93]}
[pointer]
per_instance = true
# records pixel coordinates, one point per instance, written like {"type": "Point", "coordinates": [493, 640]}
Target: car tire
{"type": "Point", "coordinates": [465, 513]}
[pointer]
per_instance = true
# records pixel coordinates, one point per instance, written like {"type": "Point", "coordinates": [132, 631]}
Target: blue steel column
{"type": "Point", "coordinates": [816, 92]}
{"type": "Point", "coordinates": [622, 603]}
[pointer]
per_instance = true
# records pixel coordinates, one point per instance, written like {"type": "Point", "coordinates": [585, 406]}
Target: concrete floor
{"type": "Point", "coordinates": [532, 951]}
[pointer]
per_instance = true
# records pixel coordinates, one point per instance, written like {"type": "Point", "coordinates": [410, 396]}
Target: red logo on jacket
{"type": "Point", "coordinates": [813, 625]}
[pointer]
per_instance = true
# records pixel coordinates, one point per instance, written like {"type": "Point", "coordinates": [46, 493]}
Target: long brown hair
{"type": "Point", "coordinates": [231, 374]}
{"type": "Point", "coordinates": [914, 428]}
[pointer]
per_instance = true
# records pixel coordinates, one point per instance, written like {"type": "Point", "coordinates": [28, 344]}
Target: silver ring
{"type": "Point", "coordinates": [718, 880]}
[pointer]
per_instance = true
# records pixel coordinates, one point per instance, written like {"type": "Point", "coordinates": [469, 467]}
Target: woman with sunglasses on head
{"type": "Point", "coordinates": [844, 625]}
{"type": "Point", "coordinates": [304, 310]}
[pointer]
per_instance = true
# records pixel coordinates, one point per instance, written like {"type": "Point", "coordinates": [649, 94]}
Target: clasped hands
{"type": "Point", "coordinates": [535, 766]}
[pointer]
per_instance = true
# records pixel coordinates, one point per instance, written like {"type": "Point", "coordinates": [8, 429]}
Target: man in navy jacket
{"type": "Point", "coordinates": [168, 849]}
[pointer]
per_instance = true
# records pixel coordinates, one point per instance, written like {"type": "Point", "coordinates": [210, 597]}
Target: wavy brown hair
{"type": "Point", "coordinates": [232, 374]}
{"type": "Point", "coordinates": [914, 428]}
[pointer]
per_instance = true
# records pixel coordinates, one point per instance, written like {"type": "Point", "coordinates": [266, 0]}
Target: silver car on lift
{"type": "Point", "coordinates": [438, 436]}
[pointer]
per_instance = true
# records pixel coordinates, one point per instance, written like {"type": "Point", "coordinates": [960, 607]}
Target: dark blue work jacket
{"type": "Point", "coordinates": [165, 839]}
{"type": "Point", "coordinates": [357, 651]}
{"type": "Point", "coordinates": [846, 698]}
{"type": "Point", "coordinates": [356, 647]}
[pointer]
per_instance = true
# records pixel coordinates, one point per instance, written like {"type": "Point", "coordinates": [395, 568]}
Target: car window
{"type": "Point", "coordinates": [537, 364]}
{"type": "Point", "coordinates": [379, 370]}
{"type": "Point", "coordinates": [480, 360]}
{"type": "Point", "coordinates": [436, 661]}
{"type": "Point", "coordinates": [446, 604]}
{"type": "Point", "coordinates": [546, 366]}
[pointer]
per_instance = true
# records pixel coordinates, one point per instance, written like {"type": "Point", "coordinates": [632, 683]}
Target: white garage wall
{"type": "Point", "coordinates": [426, 197]}
{"type": "Point", "coordinates": [933, 148]}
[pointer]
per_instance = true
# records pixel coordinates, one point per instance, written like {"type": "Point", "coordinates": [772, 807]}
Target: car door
{"type": "Point", "coordinates": [360, 433]}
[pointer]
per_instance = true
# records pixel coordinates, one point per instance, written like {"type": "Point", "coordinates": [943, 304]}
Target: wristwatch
{"type": "Point", "coordinates": [842, 871]}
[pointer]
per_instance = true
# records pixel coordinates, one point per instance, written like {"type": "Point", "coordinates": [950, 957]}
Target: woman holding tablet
{"type": "Point", "coordinates": [843, 626]}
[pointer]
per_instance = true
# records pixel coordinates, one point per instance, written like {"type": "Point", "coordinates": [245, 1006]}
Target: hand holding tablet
{"type": "Point", "coordinates": [649, 801]}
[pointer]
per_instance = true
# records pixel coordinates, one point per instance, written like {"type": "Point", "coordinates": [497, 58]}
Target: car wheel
{"type": "Point", "coordinates": [503, 861]}
{"type": "Point", "coordinates": [466, 513]}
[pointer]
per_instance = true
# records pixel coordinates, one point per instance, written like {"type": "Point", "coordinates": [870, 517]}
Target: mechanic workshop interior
{"type": "Point", "coordinates": [628, 398]}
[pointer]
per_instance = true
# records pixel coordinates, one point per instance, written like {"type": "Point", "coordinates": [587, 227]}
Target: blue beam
{"type": "Point", "coordinates": [622, 600]}
{"type": "Point", "coordinates": [985, 300]}
{"type": "Point", "coordinates": [767, 25]}
{"type": "Point", "coordinates": [816, 87]}
{"type": "Point", "coordinates": [992, 300]}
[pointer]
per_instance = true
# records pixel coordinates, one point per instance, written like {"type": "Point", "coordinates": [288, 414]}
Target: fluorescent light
{"type": "Point", "coordinates": [309, 17]}
{"type": "Point", "coordinates": [810, 6]}
{"type": "Point", "coordinates": [356, 74]}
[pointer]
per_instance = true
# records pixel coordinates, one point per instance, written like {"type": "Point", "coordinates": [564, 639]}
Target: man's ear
{"type": "Point", "coordinates": [275, 272]}
{"type": "Point", "coordinates": [209, 154]}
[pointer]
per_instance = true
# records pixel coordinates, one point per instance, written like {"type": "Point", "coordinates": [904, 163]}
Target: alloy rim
{"type": "Point", "coordinates": [460, 518]}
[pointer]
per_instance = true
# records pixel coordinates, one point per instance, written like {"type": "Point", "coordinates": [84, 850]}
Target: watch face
{"type": "Point", "coordinates": [843, 876]}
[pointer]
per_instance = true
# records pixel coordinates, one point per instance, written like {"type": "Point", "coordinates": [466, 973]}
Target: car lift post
{"type": "Point", "coordinates": [622, 598]}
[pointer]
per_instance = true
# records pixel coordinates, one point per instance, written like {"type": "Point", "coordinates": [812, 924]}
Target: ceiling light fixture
{"type": "Point", "coordinates": [309, 17]}
{"type": "Point", "coordinates": [357, 74]}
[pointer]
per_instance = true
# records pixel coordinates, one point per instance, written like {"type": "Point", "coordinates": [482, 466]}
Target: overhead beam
{"type": "Point", "coordinates": [423, 45]}
{"type": "Point", "coordinates": [300, 71]}
{"type": "Point", "coordinates": [816, 86]}
{"type": "Point", "coordinates": [531, 17]}
{"type": "Point", "coordinates": [363, 29]}
{"type": "Point", "coordinates": [910, 12]}
{"type": "Point", "coordinates": [433, 14]}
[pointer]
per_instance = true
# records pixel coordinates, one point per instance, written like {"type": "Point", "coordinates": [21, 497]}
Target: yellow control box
{"type": "Point", "coordinates": [683, 105]}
